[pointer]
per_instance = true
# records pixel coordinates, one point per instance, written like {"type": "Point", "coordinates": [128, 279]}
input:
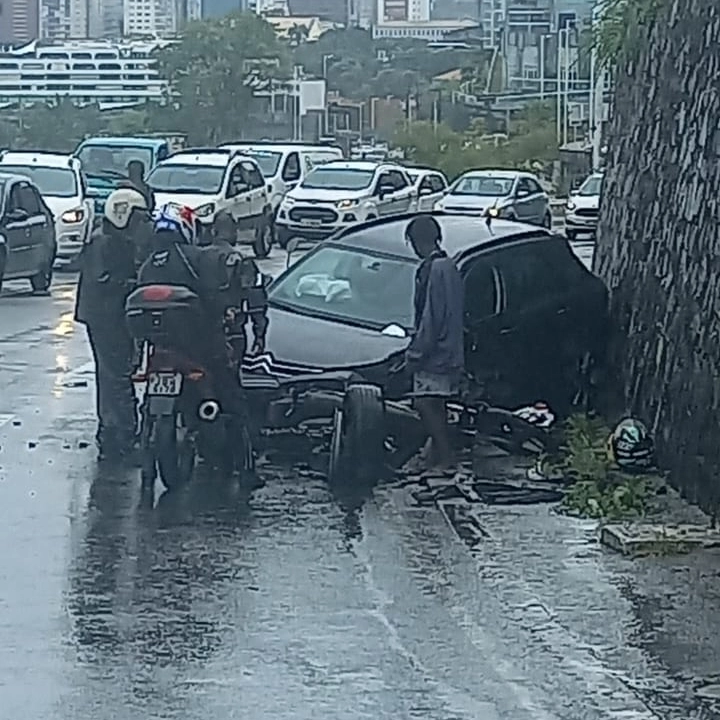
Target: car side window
{"type": "Point", "coordinates": [437, 183]}
{"type": "Point", "coordinates": [427, 184]}
{"type": "Point", "coordinates": [238, 182]}
{"type": "Point", "coordinates": [29, 200]}
{"type": "Point", "coordinates": [397, 179]}
{"type": "Point", "coordinates": [524, 187]}
{"type": "Point", "coordinates": [534, 186]}
{"type": "Point", "coordinates": [481, 299]}
{"type": "Point", "coordinates": [253, 175]}
{"type": "Point", "coordinates": [14, 199]}
{"type": "Point", "coordinates": [528, 276]}
{"type": "Point", "coordinates": [382, 181]}
{"type": "Point", "coordinates": [291, 170]}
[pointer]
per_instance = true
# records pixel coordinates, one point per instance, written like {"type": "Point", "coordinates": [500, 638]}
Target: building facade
{"type": "Point", "coordinates": [19, 21]}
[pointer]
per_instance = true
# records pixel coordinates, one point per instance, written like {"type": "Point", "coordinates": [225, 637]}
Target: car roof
{"type": "Point", "coordinates": [40, 159]}
{"type": "Point", "coordinates": [353, 165]}
{"type": "Point", "coordinates": [220, 158]}
{"type": "Point", "coordinates": [278, 147]}
{"type": "Point", "coordinates": [461, 234]}
{"type": "Point", "coordinates": [489, 172]}
{"type": "Point", "coordinates": [124, 141]}
{"type": "Point", "coordinates": [5, 177]}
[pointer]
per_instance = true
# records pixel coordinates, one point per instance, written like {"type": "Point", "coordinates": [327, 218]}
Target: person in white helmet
{"type": "Point", "coordinates": [109, 265]}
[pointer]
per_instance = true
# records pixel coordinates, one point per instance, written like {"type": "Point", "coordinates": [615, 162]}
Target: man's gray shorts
{"type": "Point", "coordinates": [427, 384]}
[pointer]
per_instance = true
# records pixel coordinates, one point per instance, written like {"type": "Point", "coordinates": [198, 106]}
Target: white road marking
{"type": "Point", "coordinates": [5, 418]}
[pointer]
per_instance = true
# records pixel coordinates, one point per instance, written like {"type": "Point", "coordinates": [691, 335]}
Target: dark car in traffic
{"type": "Point", "coordinates": [534, 315]}
{"type": "Point", "coordinates": [27, 233]}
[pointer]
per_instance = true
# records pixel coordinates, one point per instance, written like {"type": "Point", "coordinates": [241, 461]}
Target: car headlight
{"type": "Point", "coordinates": [494, 211]}
{"type": "Point", "coordinates": [570, 205]}
{"type": "Point", "coordinates": [347, 204]}
{"type": "Point", "coordinates": [439, 205]}
{"type": "Point", "coordinates": [205, 210]}
{"type": "Point", "coordinates": [73, 216]}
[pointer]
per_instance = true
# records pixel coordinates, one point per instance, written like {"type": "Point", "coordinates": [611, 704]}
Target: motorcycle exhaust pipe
{"type": "Point", "coordinates": [209, 410]}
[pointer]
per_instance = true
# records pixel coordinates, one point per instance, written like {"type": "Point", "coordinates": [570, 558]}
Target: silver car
{"type": "Point", "coordinates": [508, 194]}
{"type": "Point", "coordinates": [582, 208]}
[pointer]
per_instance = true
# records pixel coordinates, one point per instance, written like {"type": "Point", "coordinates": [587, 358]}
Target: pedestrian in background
{"type": "Point", "coordinates": [108, 266]}
{"type": "Point", "coordinates": [436, 353]}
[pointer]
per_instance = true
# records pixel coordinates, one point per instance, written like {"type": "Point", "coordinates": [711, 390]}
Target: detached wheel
{"type": "Point", "coordinates": [357, 446]}
{"type": "Point", "coordinates": [174, 450]}
{"type": "Point", "coordinates": [42, 280]}
{"type": "Point", "coordinates": [263, 239]}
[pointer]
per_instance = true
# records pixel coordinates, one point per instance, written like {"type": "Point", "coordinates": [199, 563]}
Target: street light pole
{"type": "Point", "coordinates": [567, 85]}
{"type": "Point", "coordinates": [558, 86]}
{"type": "Point", "coordinates": [325, 59]}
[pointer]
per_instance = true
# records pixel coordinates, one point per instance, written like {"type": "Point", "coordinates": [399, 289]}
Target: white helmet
{"type": "Point", "coordinates": [120, 205]}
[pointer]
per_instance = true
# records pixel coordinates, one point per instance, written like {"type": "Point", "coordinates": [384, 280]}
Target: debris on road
{"type": "Point", "coordinates": [657, 539]}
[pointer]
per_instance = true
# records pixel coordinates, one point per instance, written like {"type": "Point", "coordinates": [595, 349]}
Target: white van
{"type": "Point", "coordinates": [284, 165]}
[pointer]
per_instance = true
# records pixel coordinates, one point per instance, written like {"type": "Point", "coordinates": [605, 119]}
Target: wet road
{"type": "Point", "coordinates": [286, 604]}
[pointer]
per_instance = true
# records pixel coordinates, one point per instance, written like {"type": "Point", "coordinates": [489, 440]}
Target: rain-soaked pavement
{"type": "Point", "coordinates": [286, 605]}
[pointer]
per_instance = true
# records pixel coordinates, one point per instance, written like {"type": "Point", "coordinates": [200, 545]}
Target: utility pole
{"type": "Point", "coordinates": [325, 59]}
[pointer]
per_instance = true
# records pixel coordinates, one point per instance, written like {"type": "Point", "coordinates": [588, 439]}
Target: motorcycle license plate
{"type": "Point", "coordinates": [165, 384]}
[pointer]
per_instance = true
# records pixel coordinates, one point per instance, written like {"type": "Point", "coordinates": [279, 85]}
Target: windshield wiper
{"type": "Point", "coordinates": [107, 174]}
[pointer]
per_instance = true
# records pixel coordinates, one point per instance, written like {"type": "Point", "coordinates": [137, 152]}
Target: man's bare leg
{"type": "Point", "coordinates": [433, 413]}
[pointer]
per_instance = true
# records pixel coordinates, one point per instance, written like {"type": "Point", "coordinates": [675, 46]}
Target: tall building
{"type": "Point", "coordinates": [220, 8]}
{"type": "Point", "coordinates": [19, 21]}
{"type": "Point", "coordinates": [455, 9]}
{"type": "Point", "coordinates": [403, 11]}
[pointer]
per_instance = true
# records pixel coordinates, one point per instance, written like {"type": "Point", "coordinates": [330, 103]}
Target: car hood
{"type": "Point", "coordinates": [191, 200]}
{"type": "Point", "coordinates": [297, 344]}
{"type": "Point", "coordinates": [319, 195]}
{"type": "Point", "coordinates": [472, 202]}
{"type": "Point", "coordinates": [59, 205]}
{"type": "Point", "coordinates": [587, 202]}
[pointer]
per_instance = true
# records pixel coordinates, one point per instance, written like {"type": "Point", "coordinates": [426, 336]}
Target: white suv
{"type": "Point", "coordinates": [212, 180]}
{"type": "Point", "coordinates": [62, 186]}
{"type": "Point", "coordinates": [340, 194]}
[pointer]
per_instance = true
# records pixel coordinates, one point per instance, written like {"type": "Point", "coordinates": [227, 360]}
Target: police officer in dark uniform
{"type": "Point", "coordinates": [108, 266]}
{"type": "Point", "coordinates": [245, 296]}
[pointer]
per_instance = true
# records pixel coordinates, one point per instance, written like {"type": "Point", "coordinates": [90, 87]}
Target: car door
{"type": "Point", "coordinates": [538, 201]}
{"type": "Point", "coordinates": [536, 320]}
{"type": "Point", "coordinates": [291, 171]}
{"type": "Point", "coordinates": [258, 190]}
{"type": "Point", "coordinates": [42, 229]}
{"type": "Point", "coordinates": [403, 194]}
{"type": "Point", "coordinates": [425, 194]}
{"type": "Point", "coordinates": [18, 234]}
{"type": "Point", "coordinates": [484, 343]}
{"type": "Point", "coordinates": [523, 203]}
{"type": "Point", "coordinates": [384, 190]}
{"type": "Point", "coordinates": [238, 196]}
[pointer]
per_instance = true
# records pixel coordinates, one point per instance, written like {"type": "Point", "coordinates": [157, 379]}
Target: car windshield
{"type": "Point", "coordinates": [329, 178]}
{"type": "Point", "coordinates": [350, 285]}
{"type": "Point", "coordinates": [177, 178]}
{"type": "Point", "coordinates": [484, 185]}
{"type": "Point", "coordinates": [53, 182]}
{"type": "Point", "coordinates": [269, 162]}
{"type": "Point", "coordinates": [111, 161]}
{"type": "Point", "coordinates": [414, 176]}
{"type": "Point", "coordinates": [591, 187]}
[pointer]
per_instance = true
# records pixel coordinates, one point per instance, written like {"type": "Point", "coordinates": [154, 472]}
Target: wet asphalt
{"type": "Point", "coordinates": [294, 603]}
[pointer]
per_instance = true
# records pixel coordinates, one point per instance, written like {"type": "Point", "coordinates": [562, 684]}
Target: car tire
{"type": "Point", "coordinates": [357, 444]}
{"type": "Point", "coordinates": [547, 220]}
{"type": "Point", "coordinates": [42, 280]}
{"type": "Point", "coordinates": [263, 239]}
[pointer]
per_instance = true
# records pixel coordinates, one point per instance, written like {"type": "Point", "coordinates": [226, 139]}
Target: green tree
{"type": "Point", "coordinates": [58, 127]}
{"type": "Point", "coordinates": [207, 70]}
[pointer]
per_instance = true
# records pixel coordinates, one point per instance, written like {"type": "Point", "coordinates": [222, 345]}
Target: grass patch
{"type": "Point", "coordinates": [599, 489]}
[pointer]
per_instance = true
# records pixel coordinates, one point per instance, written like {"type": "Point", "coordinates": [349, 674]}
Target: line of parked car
{"type": "Point", "coordinates": [274, 191]}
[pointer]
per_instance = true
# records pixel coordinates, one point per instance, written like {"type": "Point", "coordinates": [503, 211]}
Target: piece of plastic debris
{"type": "Point", "coordinates": [32, 445]}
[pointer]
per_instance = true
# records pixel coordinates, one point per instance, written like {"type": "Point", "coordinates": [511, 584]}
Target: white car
{"type": "Point", "coordinates": [507, 194]}
{"type": "Point", "coordinates": [284, 165]}
{"type": "Point", "coordinates": [340, 194]}
{"type": "Point", "coordinates": [430, 185]}
{"type": "Point", "coordinates": [583, 207]}
{"type": "Point", "coordinates": [212, 180]}
{"type": "Point", "coordinates": [62, 186]}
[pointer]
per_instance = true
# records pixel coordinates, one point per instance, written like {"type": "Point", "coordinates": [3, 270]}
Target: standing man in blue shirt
{"type": "Point", "coordinates": [436, 354]}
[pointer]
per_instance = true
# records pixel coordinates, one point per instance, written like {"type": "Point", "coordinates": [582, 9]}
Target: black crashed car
{"type": "Point", "coordinates": [341, 317]}
{"type": "Point", "coordinates": [27, 233]}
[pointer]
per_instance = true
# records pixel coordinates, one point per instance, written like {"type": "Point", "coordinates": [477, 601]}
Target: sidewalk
{"type": "Point", "coordinates": [641, 636]}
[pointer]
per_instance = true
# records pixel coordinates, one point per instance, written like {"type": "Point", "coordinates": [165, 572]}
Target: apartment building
{"type": "Point", "coordinates": [19, 21]}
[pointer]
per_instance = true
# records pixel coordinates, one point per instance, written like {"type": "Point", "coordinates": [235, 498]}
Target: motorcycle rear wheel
{"type": "Point", "coordinates": [174, 449]}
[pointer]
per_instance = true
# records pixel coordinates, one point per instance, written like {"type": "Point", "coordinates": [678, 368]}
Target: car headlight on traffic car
{"type": "Point", "coordinates": [347, 204]}
{"type": "Point", "coordinates": [205, 210]}
{"type": "Point", "coordinates": [73, 216]}
{"type": "Point", "coordinates": [570, 205]}
{"type": "Point", "coordinates": [439, 205]}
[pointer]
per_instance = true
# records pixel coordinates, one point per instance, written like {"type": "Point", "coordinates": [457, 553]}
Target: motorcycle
{"type": "Point", "coordinates": [181, 417]}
